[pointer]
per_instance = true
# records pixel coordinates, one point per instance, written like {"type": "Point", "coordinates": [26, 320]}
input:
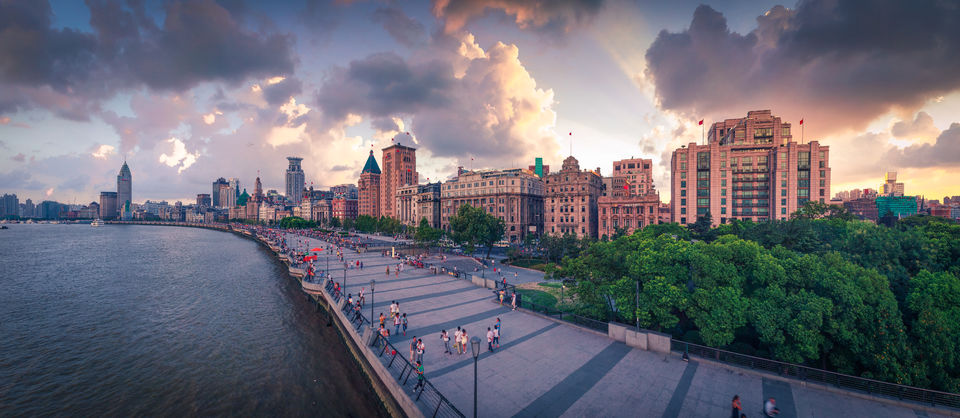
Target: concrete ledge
{"type": "Point", "coordinates": [617, 332]}
{"type": "Point", "coordinates": [637, 339]}
{"type": "Point", "coordinates": [658, 341]}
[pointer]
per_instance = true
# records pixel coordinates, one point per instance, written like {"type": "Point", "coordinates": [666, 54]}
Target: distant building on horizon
{"type": "Point", "coordinates": [215, 192]}
{"type": "Point", "coordinates": [294, 180]}
{"type": "Point", "coordinates": [890, 186]}
{"type": "Point", "coordinates": [570, 198]}
{"type": "Point", "coordinates": [125, 193]}
{"type": "Point", "coordinates": [203, 200]}
{"type": "Point", "coordinates": [108, 205]}
{"type": "Point", "coordinates": [629, 200]}
{"type": "Point", "coordinates": [750, 169]}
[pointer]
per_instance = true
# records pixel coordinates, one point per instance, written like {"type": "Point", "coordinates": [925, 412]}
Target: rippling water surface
{"type": "Point", "coordinates": [145, 320]}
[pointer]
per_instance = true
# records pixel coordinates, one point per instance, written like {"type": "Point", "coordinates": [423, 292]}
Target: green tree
{"type": "Point", "coordinates": [472, 227]}
{"type": "Point", "coordinates": [934, 302]}
{"type": "Point", "coordinates": [334, 222]}
{"type": "Point", "coordinates": [349, 224]}
{"type": "Point", "coordinates": [427, 235]}
{"type": "Point", "coordinates": [366, 224]}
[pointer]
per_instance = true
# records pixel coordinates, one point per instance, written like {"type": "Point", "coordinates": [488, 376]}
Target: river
{"type": "Point", "coordinates": [128, 320]}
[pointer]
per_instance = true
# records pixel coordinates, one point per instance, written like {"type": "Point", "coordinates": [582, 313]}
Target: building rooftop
{"type": "Point", "coordinates": [371, 166]}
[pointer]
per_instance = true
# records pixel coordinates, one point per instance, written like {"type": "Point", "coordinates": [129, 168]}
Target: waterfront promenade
{"type": "Point", "coordinates": [547, 368]}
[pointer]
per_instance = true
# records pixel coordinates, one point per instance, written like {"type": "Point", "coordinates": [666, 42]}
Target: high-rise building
{"type": "Point", "coordinates": [890, 186]}
{"type": "Point", "coordinates": [9, 206]}
{"type": "Point", "coordinates": [570, 200]}
{"type": "Point", "coordinates": [399, 169]}
{"type": "Point", "coordinates": [228, 197]}
{"type": "Point", "coordinates": [125, 193]}
{"type": "Point", "coordinates": [751, 169]}
{"type": "Point", "coordinates": [235, 186]}
{"type": "Point", "coordinates": [108, 205]}
{"type": "Point", "coordinates": [203, 200]}
{"type": "Point", "coordinates": [215, 192]}
{"type": "Point", "coordinates": [629, 201]}
{"type": "Point", "coordinates": [30, 211]}
{"type": "Point", "coordinates": [514, 195]}
{"type": "Point", "coordinates": [369, 188]}
{"type": "Point", "coordinates": [295, 179]}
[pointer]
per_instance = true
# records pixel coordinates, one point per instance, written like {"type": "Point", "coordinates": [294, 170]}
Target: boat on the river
{"type": "Point", "coordinates": [97, 222]}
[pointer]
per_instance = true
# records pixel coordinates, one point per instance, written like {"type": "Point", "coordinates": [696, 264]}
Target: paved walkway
{"type": "Point", "coordinates": [544, 368]}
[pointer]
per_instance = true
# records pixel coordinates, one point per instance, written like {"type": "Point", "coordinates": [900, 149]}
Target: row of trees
{"type": "Point", "coordinates": [820, 288]}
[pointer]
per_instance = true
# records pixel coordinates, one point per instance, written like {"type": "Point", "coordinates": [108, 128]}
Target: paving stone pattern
{"type": "Point", "coordinates": [544, 368]}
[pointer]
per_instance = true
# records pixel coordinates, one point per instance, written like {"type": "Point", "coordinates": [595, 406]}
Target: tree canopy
{"type": "Point", "coordinates": [472, 227]}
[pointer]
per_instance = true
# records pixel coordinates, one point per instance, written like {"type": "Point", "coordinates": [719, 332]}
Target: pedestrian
{"type": "Point", "coordinates": [388, 271]}
{"type": "Point", "coordinates": [456, 340]}
{"type": "Point", "coordinates": [396, 324]}
{"type": "Point", "coordinates": [381, 319]}
{"type": "Point", "coordinates": [420, 349]}
{"type": "Point", "coordinates": [413, 347]}
{"type": "Point", "coordinates": [463, 341]}
{"type": "Point", "coordinates": [404, 324]}
{"type": "Point", "coordinates": [419, 377]}
{"type": "Point", "coordinates": [513, 300]}
{"type": "Point", "coordinates": [736, 408]}
{"type": "Point", "coordinates": [496, 336]}
{"type": "Point", "coordinates": [489, 339]}
{"type": "Point", "coordinates": [361, 265]}
{"type": "Point", "coordinates": [501, 294]}
{"type": "Point", "coordinates": [360, 298]}
{"type": "Point", "coordinates": [384, 335]}
{"type": "Point", "coordinates": [770, 408]}
{"type": "Point", "coordinates": [446, 341]}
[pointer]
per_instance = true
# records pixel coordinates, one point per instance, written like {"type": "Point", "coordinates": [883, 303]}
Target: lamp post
{"type": "Point", "coordinates": [475, 347]}
{"type": "Point", "coordinates": [372, 282]}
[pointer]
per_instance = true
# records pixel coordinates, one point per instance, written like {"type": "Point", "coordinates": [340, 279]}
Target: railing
{"type": "Point", "coordinates": [805, 373]}
{"type": "Point", "coordinates": [405, 372]}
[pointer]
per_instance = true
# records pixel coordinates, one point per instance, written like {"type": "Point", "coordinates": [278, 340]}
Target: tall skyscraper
{"type": "Point", "coordinates": [215, 192]}
{"type": "Point", "coordinates": [9, 205]}
{"type": "Point", "coordinates": [294, 180]}
{"type": "Point", "coordinates": [749, 170]}
{"type": "Point", "coordinates": [228, 198]}
{"type": "Point", "coordinates": [369, 188]}
{"type": "Point", "coordinates": [235, 186]}
{"type": "Point", "coordinates": [399, 169]}
{"type": "Point", "coordinates": [125, 192]}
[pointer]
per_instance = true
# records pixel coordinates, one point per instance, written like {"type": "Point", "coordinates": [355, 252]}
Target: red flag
{"type": "Point", "coordinates": [408, 133]}
{"type": "Point", "coordinates": [571, 133]}
{"type": "Point", "coordinates": [701, 122]}
{"type": "Point", "coordinates": [801, 121]}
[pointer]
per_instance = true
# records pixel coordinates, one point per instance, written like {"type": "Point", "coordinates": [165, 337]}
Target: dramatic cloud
{"type": "Point", "coordinates": [838, 64]}
{"type": "Point", "coordinates": [103, 151]}
{"type": "Point", "coordinates": [402, 28]}
{"type": "Point", "coordinates": [179, 157]}
{"type": "Point", "coordinates": [460, 100]}
{"type": "Point", "coordinates": [281, 90]}
{"type": "Point", "coordinates": [945, 152]}
{"type": "Point", "coordinates": [552, 16]}
{"type": "Point", "coordinates": [921, 127]}
{"type": "Point", "coordinates": [69, 71]}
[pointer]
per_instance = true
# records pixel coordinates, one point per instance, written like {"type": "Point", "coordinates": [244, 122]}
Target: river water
{"type": "Point", "coordinates": [128, 320]}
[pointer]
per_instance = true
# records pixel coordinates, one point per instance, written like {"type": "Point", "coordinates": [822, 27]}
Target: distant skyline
{"type": "Point", "coordinates": [83, 87]}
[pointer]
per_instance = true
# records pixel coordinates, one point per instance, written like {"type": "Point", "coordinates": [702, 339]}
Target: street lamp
{"type": "Point", "coordinates": [372, 282]}
{"type": "Point", "coordinates": [475, 347]}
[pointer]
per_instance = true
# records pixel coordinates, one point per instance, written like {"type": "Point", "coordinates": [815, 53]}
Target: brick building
{"type": "Point", "coordinates": [513, 195]}
{"type": "Point", "coordinates": [399, 169]}
{"type": "Point", "coordinates": [751, 169]}
{"type": "Point", "coordinates": [344, 208]}
{"type": "Point", "coordinates": [369, 188]}
{"type": "Point", "coordinates": [570, 200]}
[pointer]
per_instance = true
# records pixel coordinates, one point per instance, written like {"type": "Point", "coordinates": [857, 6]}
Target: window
{"type": "Point", "coordinates": [703, 160]}
{"type": "Point", "coordinates": [723, 210]}
{"type": "Point", "coordinates": [683, 211]}
{"type": "Point", "coordinates": [723, 154]}
{"type": "Point", "coordinates": [683, 192]}
{"type": "Point", "coordinates": [747, 161]}
{"type": "Point", "coordinates": [683, 166]}
{"type": "Point", "coordinates": [823, 155]}
{"type": "Point", "coordinates": [783, 183]}
{"type": "Point", "coordinates": [783, 211]}
{"type": "Point", "coordinates": [701, 175]}
{"type": "Point", "coordinates": [734, 161]}
{"type": "Point", "coordinates": [723, 173]}
{"type": "Point", "coordinates": [821, 192]}
{"type": "Point", "coordinates": [823, 183]}
{"type": "Point", "coordinates": [723, 183]}
{"type": "Point", "coordinates": [785, 131]}
{"type": "Point", "coordinates": [723, 201]}
{"type": "Point", "coordinates": [803, 160]}
{"type": "Point", "coordinates": [683, 202]}
{"type": "Point", "coordinates": [762, 160]}
{"type": "Point", "coordinates": [683, 174]}
{"type": "Point", "coordinates": [783, 192]}
{"type": "Point", "coordinates": [783, 201]}
{"type": "Point", "coordinates": [823, 173]}
{"type": "Point", "coordinates": [723, 192]}
{"type": "Point", "coordinates": [803, 193]}
{"type": "Point", "coordinates": [683, 183]}
{"type": "Point", "coordinates": [822, 164]}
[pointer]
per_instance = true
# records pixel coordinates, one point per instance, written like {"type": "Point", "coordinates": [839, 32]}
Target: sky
{"type": "Point", "coordinates": [189, 91]}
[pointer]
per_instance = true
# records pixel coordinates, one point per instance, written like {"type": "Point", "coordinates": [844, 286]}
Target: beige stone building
{"type": "Point", "coordinates": [751, 169]}
{"type": "Point", "coordinates": [415, 202]}
{"type": "Point", "coordinates": [513, 195]}
{"type": "Point", "coordinates": [630, 200]}
{"type": "Point", "coordinates": [570, 200]}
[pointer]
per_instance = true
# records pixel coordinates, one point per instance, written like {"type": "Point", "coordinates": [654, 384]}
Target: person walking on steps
{"type": "Point", "coordinates": [446, 341]}
{"type": "Point", "coordinates": [489, 340]}
{"type": "Point", "coordinates": [413, 348]}
{"type": "Point", "coordinates": [419, 378]}
{"type": "Point", "coordinates": [396, 325]}
{"type": "Point", "coordinates": [404, 322]}
{"type": "Point", "coordinates": [420, 349]}
{"type": "Point", "coordinates": [735, 407]}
